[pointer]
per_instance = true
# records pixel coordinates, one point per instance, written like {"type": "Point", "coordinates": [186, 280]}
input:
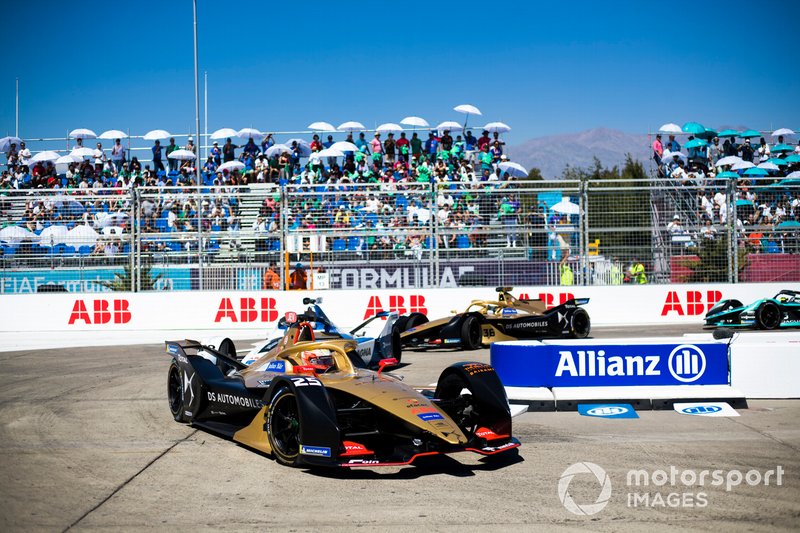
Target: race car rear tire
{"type": "Point", "coordinates": [397, 344]}
{"type": "Point", "coordinates": [768, 315]}
{"type": "Point", "coordinates": [470, 333]}
{"type": "Point", "coordinates": [414, 320]}
{"type": "Point", "coordinates": [579, 324]}
{"type": "Point", "coordinates": [283, 427]}
{"type": "Point", "coordinates": [175, 393]}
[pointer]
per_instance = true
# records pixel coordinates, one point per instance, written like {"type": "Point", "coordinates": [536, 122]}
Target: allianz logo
{"type": "Point", "coordinates": [686, 363]}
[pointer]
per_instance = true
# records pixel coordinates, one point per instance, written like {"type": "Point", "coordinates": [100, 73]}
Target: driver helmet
{"type": "Point", "coordinates": [319, 359]}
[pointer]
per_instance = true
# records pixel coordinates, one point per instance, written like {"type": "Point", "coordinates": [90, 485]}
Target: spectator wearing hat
{"type": "Point", "coordinates": [298, 279]}
{"type": "Point", "coordinates": [376, 146]}
{"type": "Point", "coordinates": [216, 153]}
{"type": "Point", "coordinates": [673, 145]}
{"type": "Point", "coordinates": [431, 146]}
{"type": "Point", "coordinates": [416, 146]}
{"type": "Point", "coordinates": [484, 140]}
{"type": "Point", "coordinates": [747, 151]}
{"type": "Point", "coordinates": [117, 155]}
{"type": "Point", "coordinates": [658, 151]}
{"type": "Point", "coordinates": [403, 147]}
{"type": "Point", "coordinates": [267, 143]}
{"type": "Point", "coordinates": [763, 150]}
{"type": "Point", "coordinates": [250, 148]}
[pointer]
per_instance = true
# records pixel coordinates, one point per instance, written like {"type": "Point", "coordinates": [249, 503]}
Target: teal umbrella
{"type": "Point", "coordinates": [709, 134]}
{"type": "Point", "coordinates": [695, 143]}
{"type": "Point", "coordinates": [778, 161]}
{"type": "Point", "coordinates": [741, 203]}
{"type": "Point", "coordinates": [789, 224]}
{"type": "Point", "coordinates": [755, 171]}
{"type": "Point", "coordinates": [728, 133]}
{"type": "Point", "coordinates": [693, 127]}
{"type": "Point", "coordinates": [728, 175]}
{"type": "Point", "coordinates": [782, 148]}
{"type": "Point", "coordinates": [794, 158]}
{"type": "Point", "coordinates": [747, 134]}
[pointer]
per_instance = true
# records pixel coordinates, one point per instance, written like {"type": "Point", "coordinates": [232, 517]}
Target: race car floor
{"type": "Point", "coordinates": [87, 442]}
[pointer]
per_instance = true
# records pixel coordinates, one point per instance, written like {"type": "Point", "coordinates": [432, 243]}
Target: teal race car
{"type": "Point", "coordinates": [781, 311]}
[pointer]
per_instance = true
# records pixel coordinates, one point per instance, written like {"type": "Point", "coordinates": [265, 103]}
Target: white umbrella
{"type": "Point", "coordinates": [47, 155]}
{"type": "Point", "coordinates": [277, 149]}
{"type": "Point", "coordinates": [793, 175]}
{"type": "Point", "coordinates": [330, 152]}
{"type": "Point", "coordinates": [742, 165]}
{"type": "Point", "coordinates": [6, 142]}
{"type": "Point", "coordinates": [15, 234]}
{"type": "Point", "coordinates": [246, 133]}
{"type": "Point", "coordinates": [82, 133]}
{"type": "Point", "coordinates": [82, 152]}
{"type": "Point", "coordinates": [53, 235]}
{"type": "Point", "coordinates": [467, 109]}
{"type": "Point", "coordinates": [351, 126]}
{"type": "Point", "coordinates": [782, 131]}
{"type": "Point", "coordinates": [153, 135]}
{"type": "Point", "coordinates": [82, 236]}
{"type": "Point", "coordinates": [389, 127]}
{"type": "Point", "coordinates": [68, 159]}
{"type": "Point", "coordinates": [566, 207]}
{"type": "Point", "coordinates": [321, 126]}
{"type": "Point", "coordinates": [513, 169]}
{"type": "Point", "coordinates": [416, 122]}
{"type": "Point", "coordinates": [766, 165]}
{"type": "Point", "coordinates": [224, 133]}
{"type": "Point", "coordinates": [668, 154]}
{"type": "Point", "coordinates": [113, 134]}
{"type": "Point", "coordinates": [670, 128]}
{"type": "Point", "coordinates": [344, 146]}
{"type": "Point", "coordinates": [448, 125]}
{"type": "Point", "coordinates": [112, 219]}
{"type": "Point", "coordinates": [182, 155]}
{"type": "Point", "coordinates": [499, 127]}
{"type": "Point", "coordinates": [230, 166]}
{"type": "Point", "coordinates": [728, 160]}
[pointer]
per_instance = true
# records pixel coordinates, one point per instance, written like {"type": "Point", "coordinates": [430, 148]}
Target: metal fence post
{"type": "Point", "coordinates": [583, 230]}
{"type": "Point", "coordinates": [735, 233]}
{"type": "Point", "coordinates": [134, 258]}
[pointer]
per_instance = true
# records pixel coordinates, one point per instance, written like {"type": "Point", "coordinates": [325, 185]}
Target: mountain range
{"type": "Point", "coordinates": [551, 154]}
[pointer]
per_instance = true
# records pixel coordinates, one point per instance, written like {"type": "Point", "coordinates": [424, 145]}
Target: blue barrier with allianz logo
{"type": "Point", "coordinates": [536, 364]}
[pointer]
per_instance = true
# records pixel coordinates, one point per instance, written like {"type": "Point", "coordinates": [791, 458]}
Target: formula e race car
{"type": "Point", "coordinates": [312, 402]}
{"type": "Point", "coordinates": [378, 337]}
{"type": "Point", "coordinates": [781, 311]}
{"type": "Point", "coordinates": [508, 318]}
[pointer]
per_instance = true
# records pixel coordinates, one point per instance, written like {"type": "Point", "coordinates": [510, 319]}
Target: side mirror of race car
{"type": "Point", "coordinates": [309, 301]}
{"type": "Point", "coordinates": [383, 363]}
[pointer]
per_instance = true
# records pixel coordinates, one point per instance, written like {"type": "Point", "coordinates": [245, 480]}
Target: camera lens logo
{"type": "Point", "coordinates": [566, 497]}
{"type": "Point", "coordinates": [687, 363]}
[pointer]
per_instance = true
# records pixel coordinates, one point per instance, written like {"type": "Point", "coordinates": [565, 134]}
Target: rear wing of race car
{"type": "Point", "coordinates": [190, 348]}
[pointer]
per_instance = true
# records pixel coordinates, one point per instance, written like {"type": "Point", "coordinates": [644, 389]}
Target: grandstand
{"type": "Point", "coordinates": [458, 217]}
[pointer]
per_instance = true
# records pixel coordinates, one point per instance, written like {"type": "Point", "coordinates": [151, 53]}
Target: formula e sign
{"type": "Point", "coordinates": [610, 364]}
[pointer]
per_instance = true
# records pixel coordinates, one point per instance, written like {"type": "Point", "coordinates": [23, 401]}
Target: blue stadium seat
{"type": "Point", "coordinates": [352, 244]}
{"type": "Point", "coordinates": [339, 245]}
{"type": "Point", "coordinates": [69, 250]}
{"type": "Point", "coordinates": [85, 250]}
{"type": "Point", "coordinates": [59, 249]}
{"type": "Point", "coordinates": [462, 241]}
{"type": "Point", "coordinates": [275, 245]}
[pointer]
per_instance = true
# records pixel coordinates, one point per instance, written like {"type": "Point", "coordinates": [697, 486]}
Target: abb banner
{"type": "Point", "coordinates": [254, 311]}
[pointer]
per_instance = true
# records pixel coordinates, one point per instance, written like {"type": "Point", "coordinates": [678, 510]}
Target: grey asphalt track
{"type": "Point", "coordinates": [87, 443]}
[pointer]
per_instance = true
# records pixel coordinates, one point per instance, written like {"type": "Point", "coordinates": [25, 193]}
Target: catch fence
{"type": "Point", "coordinates": [399, 235]}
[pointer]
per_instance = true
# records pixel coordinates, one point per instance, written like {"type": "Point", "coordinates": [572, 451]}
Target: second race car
{"type": "Point", "coordinates": [507, 318]}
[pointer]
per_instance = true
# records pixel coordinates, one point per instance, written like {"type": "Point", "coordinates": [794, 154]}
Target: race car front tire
{"type": "Point", "coordinates": [175, 393]}
{"type": "Point", "coordinates": [768, 315]}
{"type": "Point", "coordinates": [470, 333]}
{"type": "Point", "coordinates": [283, 427]}
{"type": "Point", "coordinates": [579, 324]}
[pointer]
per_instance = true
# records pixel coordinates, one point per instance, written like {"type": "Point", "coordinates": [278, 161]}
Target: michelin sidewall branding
{"type": "Point", "coordinates": [606, 365]}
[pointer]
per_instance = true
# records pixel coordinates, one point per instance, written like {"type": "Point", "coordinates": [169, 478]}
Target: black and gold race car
{"type": "Point", "coordinates": [313, 402]}
{"type": "Point", "coordinates": [506, 318]}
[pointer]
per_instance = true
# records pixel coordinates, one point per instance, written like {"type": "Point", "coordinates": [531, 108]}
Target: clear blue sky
{"type": "Point", "coordinates": [544, 68]}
